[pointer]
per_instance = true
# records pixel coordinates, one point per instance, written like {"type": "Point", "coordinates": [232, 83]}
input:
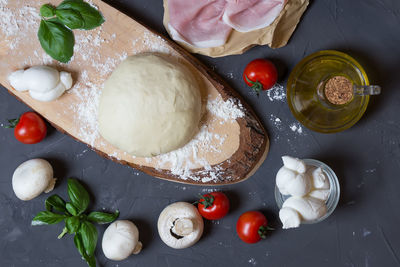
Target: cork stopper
{"type": "Point", "coordinates": [338, 90]}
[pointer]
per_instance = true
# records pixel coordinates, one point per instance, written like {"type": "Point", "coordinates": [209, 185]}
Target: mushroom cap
{"type": "Point", "coordinates": [31, 178]}
{"type": "Point", "coordinates": [120, 240]}
{"type": "Point", "coordinates": [41, 78]}
{"type": "Point", "coordinates": [182, 212]}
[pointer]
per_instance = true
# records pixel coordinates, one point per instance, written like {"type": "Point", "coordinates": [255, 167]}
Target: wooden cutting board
{"type": "Point", "coordinates": [231, 144]}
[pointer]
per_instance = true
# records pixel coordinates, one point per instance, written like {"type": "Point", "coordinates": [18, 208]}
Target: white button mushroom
{"type": "Point", "coordinates": [33, 177]}
{"type": "Point", "coordinates": [120, 240]}
{"type": "Point", "coordinates": [44, 83]}
{"type": "Point", "coordinates": [180, 225]}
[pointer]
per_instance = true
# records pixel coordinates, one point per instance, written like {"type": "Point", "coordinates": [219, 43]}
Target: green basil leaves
{"type": "Point", "coordinates": [78, 195]}
{"type": "Point", "coordinates": [55, 34]}
{"type": "Point", "coordinates": [55, 202]}
{"type": "Point", "coordinates": [102, 217]}
{"type": "Point", "coordinates": [56, 39]}
{"type": "Point", "coordinates": [76, 222]}
{"type": "Point", "coordinates": [90, 17]}
{"type": "Point", "coordinates": [47, 217]}
{"type": "Point", "coordinates": [71, 18]}
{"type": "Point", "coordinates": [47, 11]}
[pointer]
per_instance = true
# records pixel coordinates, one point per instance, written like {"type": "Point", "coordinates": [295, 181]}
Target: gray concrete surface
{"type": "Point", "coordinates": [363, 231]}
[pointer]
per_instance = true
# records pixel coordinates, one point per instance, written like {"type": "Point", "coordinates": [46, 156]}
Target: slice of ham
{"type": "Point", "coordinates": [250, 15]}
{"type": "Point", "coordinates": [198, 22]}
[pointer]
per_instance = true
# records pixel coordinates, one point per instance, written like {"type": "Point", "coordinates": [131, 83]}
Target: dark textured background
{"type": "Point", "coordinates": [363, 231]}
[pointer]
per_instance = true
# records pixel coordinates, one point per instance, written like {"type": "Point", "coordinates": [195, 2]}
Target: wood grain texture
{"type": "Point", "coordinates": [97, 53]}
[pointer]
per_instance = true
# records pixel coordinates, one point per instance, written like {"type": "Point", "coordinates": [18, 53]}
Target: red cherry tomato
{"type": "Point", "coordinates": [252, 226]}
{"type": "Point", "coordinates": [29, 128]}
{"type": "Point", "coordinates": [260, 74]}
{"type": "Point", "coordinates": [213, 206]}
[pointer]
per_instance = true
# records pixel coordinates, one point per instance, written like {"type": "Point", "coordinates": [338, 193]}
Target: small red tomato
{"type": "Point", "coordinates": [213, 206]}
{"type": "Point", "coordinates": [260, 74]}
{"type": "Point", "coordinates": [29, 128]}
{"type": "Point", "coordinates": [252, 226]}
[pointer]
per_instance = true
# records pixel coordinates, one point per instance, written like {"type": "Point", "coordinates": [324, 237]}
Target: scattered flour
{"type": "Point", "coordinates": [296, 127]}
{"type": "Point", "coordinates": [226, 110]}
{"type": "Point", "coordinates": [366, 232]}
{"type": "Point", "coordinates": [253, 261]}
{"type": "Point", "coordinates": [276, 121]}
{"type": "Point", "coordinates": [182, 161]}
{"type": "Point", "coordinates": [17, 25]}
{"type": "Point", "coordinates": [276, 93]}
{"type": "Point", "coordinates": [87, 49]}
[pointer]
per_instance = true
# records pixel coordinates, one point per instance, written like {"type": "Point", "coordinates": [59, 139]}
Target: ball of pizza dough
{"type": "Point", "coordinates": [150, 105]}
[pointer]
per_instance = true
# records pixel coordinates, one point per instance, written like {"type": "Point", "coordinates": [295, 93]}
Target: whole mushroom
{"type": "Point", "coordinates": [120, 240]}
{"type": "Point", "coordinates": [32, 178]}
{"type": "Point", "coordinates": [180, 225]}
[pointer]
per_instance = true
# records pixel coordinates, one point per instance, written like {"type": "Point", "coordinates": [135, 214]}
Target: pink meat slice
{"type": "Point", "coordinates": [250, 15]}
{"type": "Point", "coordinates": [198, 22]}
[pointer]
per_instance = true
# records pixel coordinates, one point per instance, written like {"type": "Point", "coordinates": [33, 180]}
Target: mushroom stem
{"type": "Point", "coordinates": [183, 226]}
{"type": "Point", "coordinates": [51, 185]}
{"type": "Point", "coordinates": [138, 248]}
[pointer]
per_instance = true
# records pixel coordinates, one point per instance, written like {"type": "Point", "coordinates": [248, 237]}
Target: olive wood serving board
{"type": "Point", "coordinates": [234, 149]}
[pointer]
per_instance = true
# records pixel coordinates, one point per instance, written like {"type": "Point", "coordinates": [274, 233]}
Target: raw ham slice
{"type": "Point", "coordinates": [250, 15]}
{"type": "Point", "coordinates": [198, 22]}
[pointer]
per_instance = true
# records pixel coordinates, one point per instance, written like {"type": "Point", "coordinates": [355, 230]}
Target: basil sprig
{"type": "Point", "coordinates": [55, 30]}
{"type": "Point", "coordinates": [76, 222]}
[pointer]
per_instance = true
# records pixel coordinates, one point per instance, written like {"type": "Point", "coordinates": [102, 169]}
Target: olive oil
{"type": "Point", "coordinates": [306, 97]}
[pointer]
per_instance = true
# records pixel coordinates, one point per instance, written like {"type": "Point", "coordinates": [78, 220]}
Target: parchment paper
{"type": "Point", "coordinates": [275, 35]}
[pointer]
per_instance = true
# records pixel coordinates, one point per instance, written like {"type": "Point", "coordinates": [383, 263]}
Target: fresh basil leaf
{"type": "Point", "coordinates": [102, 217]}
{"type": "Point", "coordinates": [78, 195]}
{"type": "Point", "coordinates": [47, 217]}
{"type": "Point", "coordinates": [89, 237]}
{"type": "Point", "coordinates": [91, 261]}
{"type": "Point", "coordinates": [79, 245]}
{"type": "Point", "coordinates": [56, 39]}
{"type": "Point", "coordinates": [71, 18]}
{"type": "Point", "coordinates": [47, 11]}
{"type": "Point", "coordinates": [72, 224]}
{"type": "Point", "coordinates": [71, 209]}
{"type": "Point", "coordinates": [91, 16]}
{"type": "Point", "coordinates": [55, 202]}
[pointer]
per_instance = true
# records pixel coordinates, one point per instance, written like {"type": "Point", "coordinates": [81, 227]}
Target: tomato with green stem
{"type": "Point", "coordinates": [30, 128]}
{"type": "Point", "coordinates": [252, 226]}
{"type": "Point", "coordinates": [213, 206]}
{"type": "Point", "coordinates": [260, 74]}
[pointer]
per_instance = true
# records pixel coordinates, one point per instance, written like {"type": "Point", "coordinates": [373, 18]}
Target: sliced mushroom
{"type": "Point", "coordinates": [180, 225]}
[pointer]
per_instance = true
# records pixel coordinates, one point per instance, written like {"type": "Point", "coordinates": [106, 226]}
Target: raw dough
{"type": "Point", "coordinates": [149, 106]}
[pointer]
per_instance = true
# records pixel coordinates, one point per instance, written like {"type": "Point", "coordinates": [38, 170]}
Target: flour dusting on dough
{"type": "Point", "coordinates": [16, 25]}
